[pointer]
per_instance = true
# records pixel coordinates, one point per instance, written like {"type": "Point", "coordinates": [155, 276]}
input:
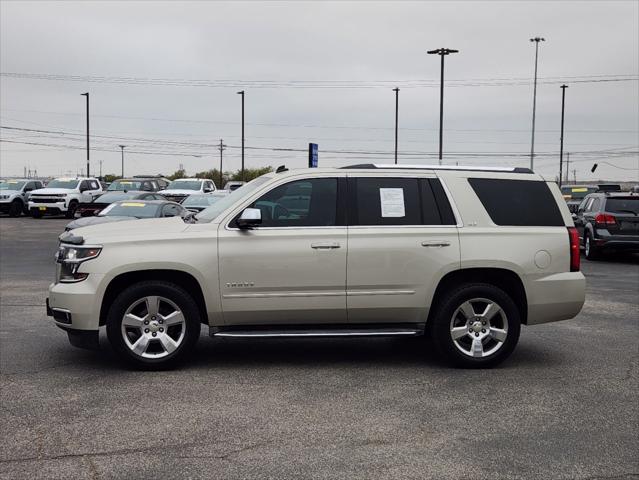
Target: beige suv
{"type": "Point", "coordinates": [461, 255]}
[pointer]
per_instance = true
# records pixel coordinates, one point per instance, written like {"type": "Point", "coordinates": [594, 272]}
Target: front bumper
{"type": "Point", "coordinates": [82, 301]}
{"type": "Point", "coordinates": [555, 297]}
{"type": "Point", "coordinates": [5, 206]}
{"type": "Point", "coordinates": [51, 208]}
{"type": "Point", "coordinates": [88, 339]}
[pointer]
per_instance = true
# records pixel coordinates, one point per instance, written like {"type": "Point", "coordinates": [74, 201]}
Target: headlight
{"type": "Point", "coordinates": [70, 257]}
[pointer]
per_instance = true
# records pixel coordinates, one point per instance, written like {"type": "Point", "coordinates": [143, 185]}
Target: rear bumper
{"type": "Point", "coordinates": [556, 297]}
{"type": "Point", "coordinates": [619, 243]}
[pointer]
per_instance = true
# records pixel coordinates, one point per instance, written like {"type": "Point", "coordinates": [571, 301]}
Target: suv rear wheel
{"type": "Point", "coordinates": [591, 251]}
{"type": "Point", "coordinates": [153, 325]}
{"type": "Point", "coordinates": [476, 326]}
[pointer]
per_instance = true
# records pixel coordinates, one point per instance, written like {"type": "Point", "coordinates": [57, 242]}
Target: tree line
{"type": "Point", "coordinates": [213, 174]}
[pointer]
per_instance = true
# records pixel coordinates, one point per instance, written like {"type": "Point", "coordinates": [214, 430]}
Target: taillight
{"type": "Point", "coordinates": [575, 255]}
{"type": "Point", "coordinates": [605, 219]}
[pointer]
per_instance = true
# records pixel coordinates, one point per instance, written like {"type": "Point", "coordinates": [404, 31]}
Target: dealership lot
{"type": "Point", "coordinates": [563, 406]}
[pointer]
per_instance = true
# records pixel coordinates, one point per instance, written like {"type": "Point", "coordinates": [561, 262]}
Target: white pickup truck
{"type": "Point", "coordinates": [62, 196]}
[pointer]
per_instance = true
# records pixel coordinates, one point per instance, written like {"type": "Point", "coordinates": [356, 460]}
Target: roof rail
{"type": "Point", "coordinates": [468, 168]}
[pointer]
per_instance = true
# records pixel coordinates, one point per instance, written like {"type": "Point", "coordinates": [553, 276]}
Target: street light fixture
{"type": "Point", "coordinates": [396, 90]}
{"type": "Point", "coordinates": [442, 52]}
{"type": "Point", "coordinates": [532, 142]}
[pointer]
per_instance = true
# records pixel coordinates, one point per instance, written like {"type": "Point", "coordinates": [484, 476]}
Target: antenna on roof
{"type": "Point", "coordinates": [281, 168]}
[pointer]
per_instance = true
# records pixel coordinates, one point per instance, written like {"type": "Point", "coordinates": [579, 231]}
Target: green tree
{"type": "Point", "coordinates": [177, 174]}
{"type": "Point", "coordinates": [110, 178]}
{"type": "Point", "coordinates": [250, 173]}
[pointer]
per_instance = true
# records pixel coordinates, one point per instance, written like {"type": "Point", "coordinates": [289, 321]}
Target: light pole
{"type": "Point", "coordinates": [122, 150]}
{"type": "Point", "coordinates": [396, 90]}
{"type": "Point", "coordinates": [532, 142]}
{"type": "Point", "coordinates": [221, 147]}
{"type": "Point", "coordinates": [442, 52]}
{"type": "Point", "coordinates": [561, 145]}
{"type": "Point", "coordinates": [242, 93]}
{"type": "Point", "coordinates": [87, 95]}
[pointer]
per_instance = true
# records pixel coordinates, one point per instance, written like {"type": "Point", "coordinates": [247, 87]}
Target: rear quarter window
{"type": "Point", "coordinates": [521, 203]}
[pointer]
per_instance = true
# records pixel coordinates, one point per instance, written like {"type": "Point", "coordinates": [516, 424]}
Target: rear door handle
{"type": "Point", "coordinates": [436, 243]}
{"type": "Point", "coordinates": [325, 246]}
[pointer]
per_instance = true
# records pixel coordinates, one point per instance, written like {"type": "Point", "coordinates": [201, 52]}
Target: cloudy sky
{"type": "Point", "coordinates": [163, 78]}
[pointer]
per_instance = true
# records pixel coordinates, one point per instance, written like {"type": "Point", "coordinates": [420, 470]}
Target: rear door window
{"type": "Point", "coordinates": [385, 201]}
{"type": "Point", "coordinates": [523, 203]}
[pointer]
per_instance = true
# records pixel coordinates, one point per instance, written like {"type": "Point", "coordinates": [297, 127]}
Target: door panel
{"type": "Point", "coordinates": [276, 276]}
{"type": "Point", "coordinates": [393, 271]}
{"type": "Point", "coordinates": [399, 246]}
{"type": "Point", "coordinates": [291, 269]}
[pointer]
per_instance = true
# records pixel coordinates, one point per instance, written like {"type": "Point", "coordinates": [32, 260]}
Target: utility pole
{"type": "Point", "coordinates": [574, 173]}
{"type": "Point", "coordinates": [87, 95]}
{"type": "Point", "coordinates": [100, 169]}
{"type": "Point", "coordinates": [442, 52]}
{"type": "Point", "coordinates": [242, 93]}
{"type": "Point", "coordinates": [532, 142]}
{"type": "Point", "coordinates": [122, 150]}
{"type": "Point", "coordinates": [222, 147]}
{"type": "Point", "coordinates": [561, 144]}
{"type": "Point", "coordinates": [396, 90]}
{"type": "Point", "coordinates": [567, 167]}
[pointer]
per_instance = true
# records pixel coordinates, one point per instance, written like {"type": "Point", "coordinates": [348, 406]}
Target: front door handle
{"type": "Point", "coordinates": [325, 246]}
{"type": "Point", "coordinates": [436, 243]}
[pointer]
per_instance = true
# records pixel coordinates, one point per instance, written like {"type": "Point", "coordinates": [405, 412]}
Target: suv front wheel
{"type": "Point", "coordinates": [153, 325]}
{"type": "Point", "coordinates": [476, 326]}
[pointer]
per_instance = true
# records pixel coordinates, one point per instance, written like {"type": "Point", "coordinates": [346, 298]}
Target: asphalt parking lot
{"type": "Point", "coordinates": [564, 406]}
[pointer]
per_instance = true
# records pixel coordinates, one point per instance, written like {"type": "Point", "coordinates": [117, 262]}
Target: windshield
{"type": "Point", "coordinates": [131, 209]}
{"type": "Point", "coordinates": [623, 205]}
{"type": "Point", "coordinates": [212, 212]}
{"type": "Point", "coordinates": [72, 184]}
{"type": "Point", "coordinates": [125, 185]}
{"type": "Point", "coordinates": [11, 185]}
{"type": "Point", "coordinates": [184, 185]}
{"type": "Point", "coordinates": [201, 200]}
{"type": "Point", "coordinates": [576, 193]}
{"type": "Point", "coordinates": [111, 197]}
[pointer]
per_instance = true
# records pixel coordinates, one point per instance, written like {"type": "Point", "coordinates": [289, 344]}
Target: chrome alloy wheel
{"type": "Point", "coordinates": [153, 327]}
{"type": "Point", "coordinates": [479, 327]}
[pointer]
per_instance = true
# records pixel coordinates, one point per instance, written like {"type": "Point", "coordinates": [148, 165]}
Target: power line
{"type": "Point", "coordinates": [327, 84]}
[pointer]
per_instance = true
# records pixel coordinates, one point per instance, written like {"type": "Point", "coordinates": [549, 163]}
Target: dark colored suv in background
{"type": "Point", "coordinates": [608, 221]}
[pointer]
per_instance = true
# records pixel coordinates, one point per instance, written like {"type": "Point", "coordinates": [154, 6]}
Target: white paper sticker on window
{"type": "Point", "coordinates": [392, 201]}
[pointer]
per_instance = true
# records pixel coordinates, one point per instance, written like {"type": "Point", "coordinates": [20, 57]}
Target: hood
{"type": "Point", "coordinates": [10, 192]}
{"type": "Point", "coordinates": [139, 230]}
{"type": "Point", "coordinates": [178, 191]}
{"type": "Point", "coordinates": [86, 221]}
{"type": "Point", "coordinates": [52, 191]}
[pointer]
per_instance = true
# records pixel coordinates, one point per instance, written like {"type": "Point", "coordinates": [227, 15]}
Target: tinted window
{"type": "Point", "coordinates": [623, 205]}
{"type": "Point", "coordinates": [385, 201]}
{"type": "Point", "coordinates": [596, 204]}
{"type": "Point", "coordinates": [308, 203]}
{"type": "Point", "coordinates": [94, 185]}
{"type": "Point", "coordinates": [131, 209]}
{"type": "Point", "coordinates": [517, 202]}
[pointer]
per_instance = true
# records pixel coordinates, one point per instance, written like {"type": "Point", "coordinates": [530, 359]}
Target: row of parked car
{"type": "Point", "coordinates": [124, 199]}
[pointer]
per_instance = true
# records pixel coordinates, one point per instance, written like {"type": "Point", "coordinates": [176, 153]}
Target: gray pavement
{"type": "Point", "coordinates": [564, 406]}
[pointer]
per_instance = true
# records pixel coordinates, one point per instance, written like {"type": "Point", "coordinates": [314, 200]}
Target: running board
{"type": "Point", "coordinates": [317, 331]}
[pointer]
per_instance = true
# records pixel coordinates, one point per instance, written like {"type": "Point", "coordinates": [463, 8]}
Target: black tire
{"type": "Point", "coordinates": [439, 325]}
{"type": "Point", "coordinates": [36, 213]}
{"type": "Point", "coordinates": [138, 291]}
{"type": "Point", "coordinates": [590, 249]}
{"type": "Point", "coordinates": [15, 209]}
{"type": "Point", "coordinates": [73, 206]}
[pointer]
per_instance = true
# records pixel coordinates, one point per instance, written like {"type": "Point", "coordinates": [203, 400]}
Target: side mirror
{"type": "Point", "coordinates": [26, 190]}
{"type": "Point", "coordinates": [574, 216]}
{"type": "Point", "coordinates": [207, 190]}
{"type": "Point", "coordinates": [250, 218]}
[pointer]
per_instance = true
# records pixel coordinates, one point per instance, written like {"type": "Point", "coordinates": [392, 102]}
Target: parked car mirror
{"type": "Point", "coordinates": [208, 189]}
{"type": "Point", "coordinates": [574, 216]}
{"type": "Point", "coordinates": [250, 218]}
